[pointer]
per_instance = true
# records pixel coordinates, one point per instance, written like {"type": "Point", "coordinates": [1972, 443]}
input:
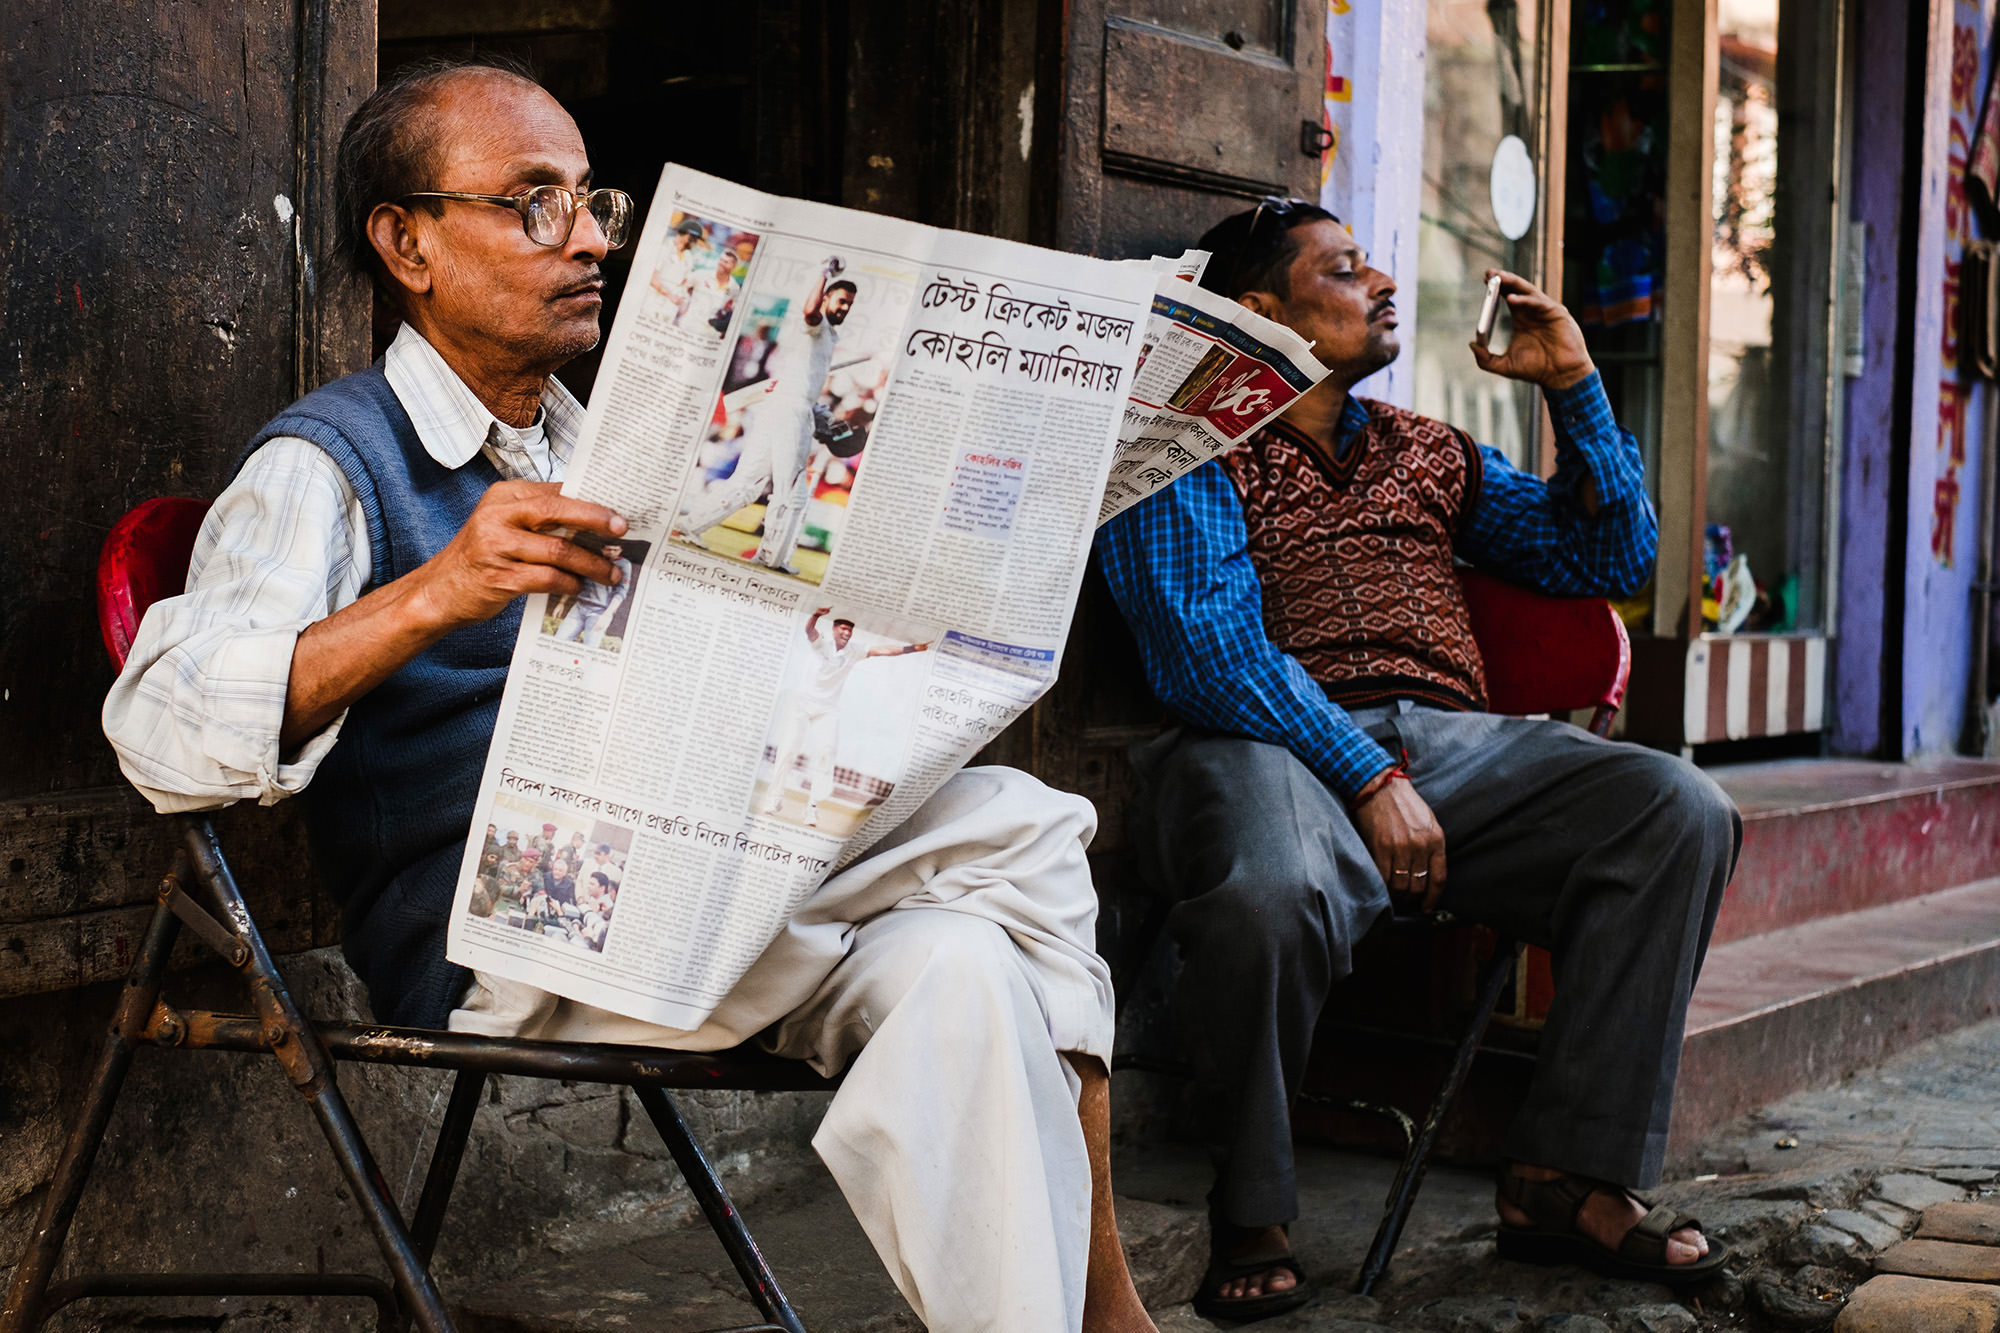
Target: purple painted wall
{"type": "Point", "coordinates": [1944, 465]}
{"type": "Point", "coordinates": [1910, 472]}
{"type": "Point", "coordinates": [1869, 457]}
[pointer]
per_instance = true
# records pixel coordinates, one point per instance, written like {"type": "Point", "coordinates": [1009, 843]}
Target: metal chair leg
{"type": "Point", "coordinates": [721, 1213]}
{"type": "Point", "coordinates": [310, 1067]}
{"type": "Point", "coordinates": [466, 1090]}
{"type": "Point", "coordinates": [26, 1293]}
{"type": "Point", "coordinates": [1410, 1175]}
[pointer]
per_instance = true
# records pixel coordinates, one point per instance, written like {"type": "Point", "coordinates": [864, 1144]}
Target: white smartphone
{"type": "Point", "coordinates": [1489, 313]}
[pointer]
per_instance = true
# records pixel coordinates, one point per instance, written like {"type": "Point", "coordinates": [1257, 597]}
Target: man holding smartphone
{"type": "Point", "coordinates": [1297, 606]}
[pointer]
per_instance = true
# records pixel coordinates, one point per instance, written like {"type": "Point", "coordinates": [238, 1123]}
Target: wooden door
{"type": "Point", "coordinates": [1176, 111]}
{"type": "Point", "coordinates": [164, 240]}
{"type": "Point", "coordinates": [1175, 114]}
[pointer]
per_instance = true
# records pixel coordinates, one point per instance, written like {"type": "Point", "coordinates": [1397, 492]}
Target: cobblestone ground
{"type": "Point", "coordinates": [1815, 1195]}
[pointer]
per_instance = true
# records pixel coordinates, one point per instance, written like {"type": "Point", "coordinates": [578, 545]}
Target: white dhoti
{"type": "Point", "coordinates": [952, 966]}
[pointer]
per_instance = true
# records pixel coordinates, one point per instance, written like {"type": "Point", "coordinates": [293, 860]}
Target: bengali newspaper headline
{"type": "Point", "coordinates": [989, 349]}
{"type": "Point", "coordinates": [1004, 308]}
{"type": "Point", "coordinates": [677, 826]}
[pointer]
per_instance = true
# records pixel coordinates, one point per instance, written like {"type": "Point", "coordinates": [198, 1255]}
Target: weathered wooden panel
{"type": "Point", "coordinates": [1173, 78]}
{"type": "Point", "coordinates": [1263, 28]}
{"type": "Point", "coordinates": [157, 161]}
{"type": "Point", "coordinates": [163, 290]}
{"type": "Point", "coordinates": [1192, 107]}
{"type": "Point", "coordinates": [82, 871]}
{"type": "Point", "coordinates": [939, 115]}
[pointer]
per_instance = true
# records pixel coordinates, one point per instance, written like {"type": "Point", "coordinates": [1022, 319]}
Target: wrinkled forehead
{"type": "Point", "coordinates": [505, 133]}
{"type": "Point", "coordinates": [1323, 241]}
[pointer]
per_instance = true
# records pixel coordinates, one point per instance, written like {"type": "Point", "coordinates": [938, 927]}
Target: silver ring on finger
{"type": "Point", "coordinates": [1420, 874]}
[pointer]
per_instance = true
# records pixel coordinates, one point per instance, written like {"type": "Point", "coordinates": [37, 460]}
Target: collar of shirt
{"type": "Point", "coordinates": [454, 425]}
{"type": "Point", "coordinates": [1353, 420]}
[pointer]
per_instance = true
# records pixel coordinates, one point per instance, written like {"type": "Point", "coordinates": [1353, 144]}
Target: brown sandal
{"type": "Point", "coordinates": [1554, 1238]}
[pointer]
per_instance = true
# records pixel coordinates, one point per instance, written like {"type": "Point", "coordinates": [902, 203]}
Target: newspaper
{"type": "Point", "coordinates": [862, 461]}
{"type": "Point", "coordinates": [1210, 374]}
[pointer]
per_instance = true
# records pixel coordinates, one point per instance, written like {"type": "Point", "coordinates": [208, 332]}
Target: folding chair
{"type": "Point", "coordinates": [146, 558]}
{"type": "Point", "coordinates": [1543, 655]}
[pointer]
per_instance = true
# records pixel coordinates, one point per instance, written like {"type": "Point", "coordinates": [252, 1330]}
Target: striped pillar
{"type": "Point", "coordinates": [1738, 688]}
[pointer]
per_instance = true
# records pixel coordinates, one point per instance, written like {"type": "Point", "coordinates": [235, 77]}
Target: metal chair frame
{"type": "Point", "coordinates": [200, 892]}
{"type": "Point", "coordinates": [1520, 635]}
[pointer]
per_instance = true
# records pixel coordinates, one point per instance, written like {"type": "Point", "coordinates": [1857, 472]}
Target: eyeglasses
{"type": "Point", "coordinates": [548, 212]}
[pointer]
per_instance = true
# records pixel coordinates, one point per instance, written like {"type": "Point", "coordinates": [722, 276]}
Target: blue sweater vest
{"type": "Point", "coordinates": [389, 810]}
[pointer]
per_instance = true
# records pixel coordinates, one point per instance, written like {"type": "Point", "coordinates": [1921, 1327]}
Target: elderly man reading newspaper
{"type": "Point", "coordinates": [352, 606]}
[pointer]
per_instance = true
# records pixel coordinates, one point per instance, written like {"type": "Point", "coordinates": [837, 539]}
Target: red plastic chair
{"type": "Point", "coordinates": [1547, 654]}
{"type": "Point", "coordinates": [1543, 655]}
{"type": "Point", "coordinates": [144, 559]}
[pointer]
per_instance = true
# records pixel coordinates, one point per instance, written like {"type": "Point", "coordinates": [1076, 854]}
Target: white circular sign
{"type": "Point", "coordinates": [1512, 186]}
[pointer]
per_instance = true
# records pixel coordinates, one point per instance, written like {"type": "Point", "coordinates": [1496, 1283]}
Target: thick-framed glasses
{"type": "Point", "coordinates": [548, 212]}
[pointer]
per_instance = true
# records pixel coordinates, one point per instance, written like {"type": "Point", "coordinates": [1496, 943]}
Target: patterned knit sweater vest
{"type": "Point", "coordinates": [1355, 558]}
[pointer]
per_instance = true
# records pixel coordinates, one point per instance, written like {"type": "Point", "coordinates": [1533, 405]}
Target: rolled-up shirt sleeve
{"type": "Point", "coordinates": [1542, 533]}
{"type": "Point", "coordinates": [195, 715]}
{"type": "Point", "coordinates": [1179, 567]}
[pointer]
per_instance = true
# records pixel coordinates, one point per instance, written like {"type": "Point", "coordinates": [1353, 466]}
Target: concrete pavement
{"type": "Point", "coordinates": [1811, 1192]}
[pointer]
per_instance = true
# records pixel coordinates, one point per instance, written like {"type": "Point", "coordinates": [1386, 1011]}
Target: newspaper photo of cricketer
{"type": "Point", "coordinates": [813, 775]}
{"type": "Point", "coordinates": [790, 427]}
{"type": "Point", "coordinates": [700, 274]}
{"type": "Point", "coordinates": [595, 614]}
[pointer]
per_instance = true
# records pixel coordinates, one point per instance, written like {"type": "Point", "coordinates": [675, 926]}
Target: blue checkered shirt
{"type": "Point", "coordinates": [1179, 567]}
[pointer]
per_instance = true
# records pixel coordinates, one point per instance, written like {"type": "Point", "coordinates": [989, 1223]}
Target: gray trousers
{"type": "Point", "coordinates": [1612, 856]}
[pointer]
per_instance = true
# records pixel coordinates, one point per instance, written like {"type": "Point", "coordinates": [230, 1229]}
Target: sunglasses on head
{"type": "Point", "coordinates": [1277, 208]}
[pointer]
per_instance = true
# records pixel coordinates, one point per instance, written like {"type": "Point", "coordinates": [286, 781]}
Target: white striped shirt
{"type": "Point", "coordinates": [196, 712]}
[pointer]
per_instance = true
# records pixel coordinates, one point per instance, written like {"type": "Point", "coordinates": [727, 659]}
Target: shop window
{"type": "Point", "coordinates": [1614, 223]}
{"type": "Point", "coordinates": [1769, 295]}
{"type": "Point", "coordinates": [1483, 84]}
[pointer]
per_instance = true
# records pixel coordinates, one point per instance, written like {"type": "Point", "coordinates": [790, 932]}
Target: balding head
{"type": "Point", "coordinates": [465, 273]}
{"type": "Point", "coordinates": [390, 148]}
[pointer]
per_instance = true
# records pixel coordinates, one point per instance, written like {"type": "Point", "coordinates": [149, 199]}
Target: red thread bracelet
{"type": "Point", "coordinates": [1385, 777]}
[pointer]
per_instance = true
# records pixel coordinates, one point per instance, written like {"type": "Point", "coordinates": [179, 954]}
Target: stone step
{"type": "Point", "coordinates": [1806, 1005]}
{"type": "Point", "coordinates": [1824, 837]}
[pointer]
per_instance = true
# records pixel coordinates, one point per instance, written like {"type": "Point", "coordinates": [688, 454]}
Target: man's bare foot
{"type": "Point", "coordinates": [1250, 1241]}
{"type": "Point", "coordinates": [1110, 1302]}
{"type": "Point", "coordinates": [1605, 1217]}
